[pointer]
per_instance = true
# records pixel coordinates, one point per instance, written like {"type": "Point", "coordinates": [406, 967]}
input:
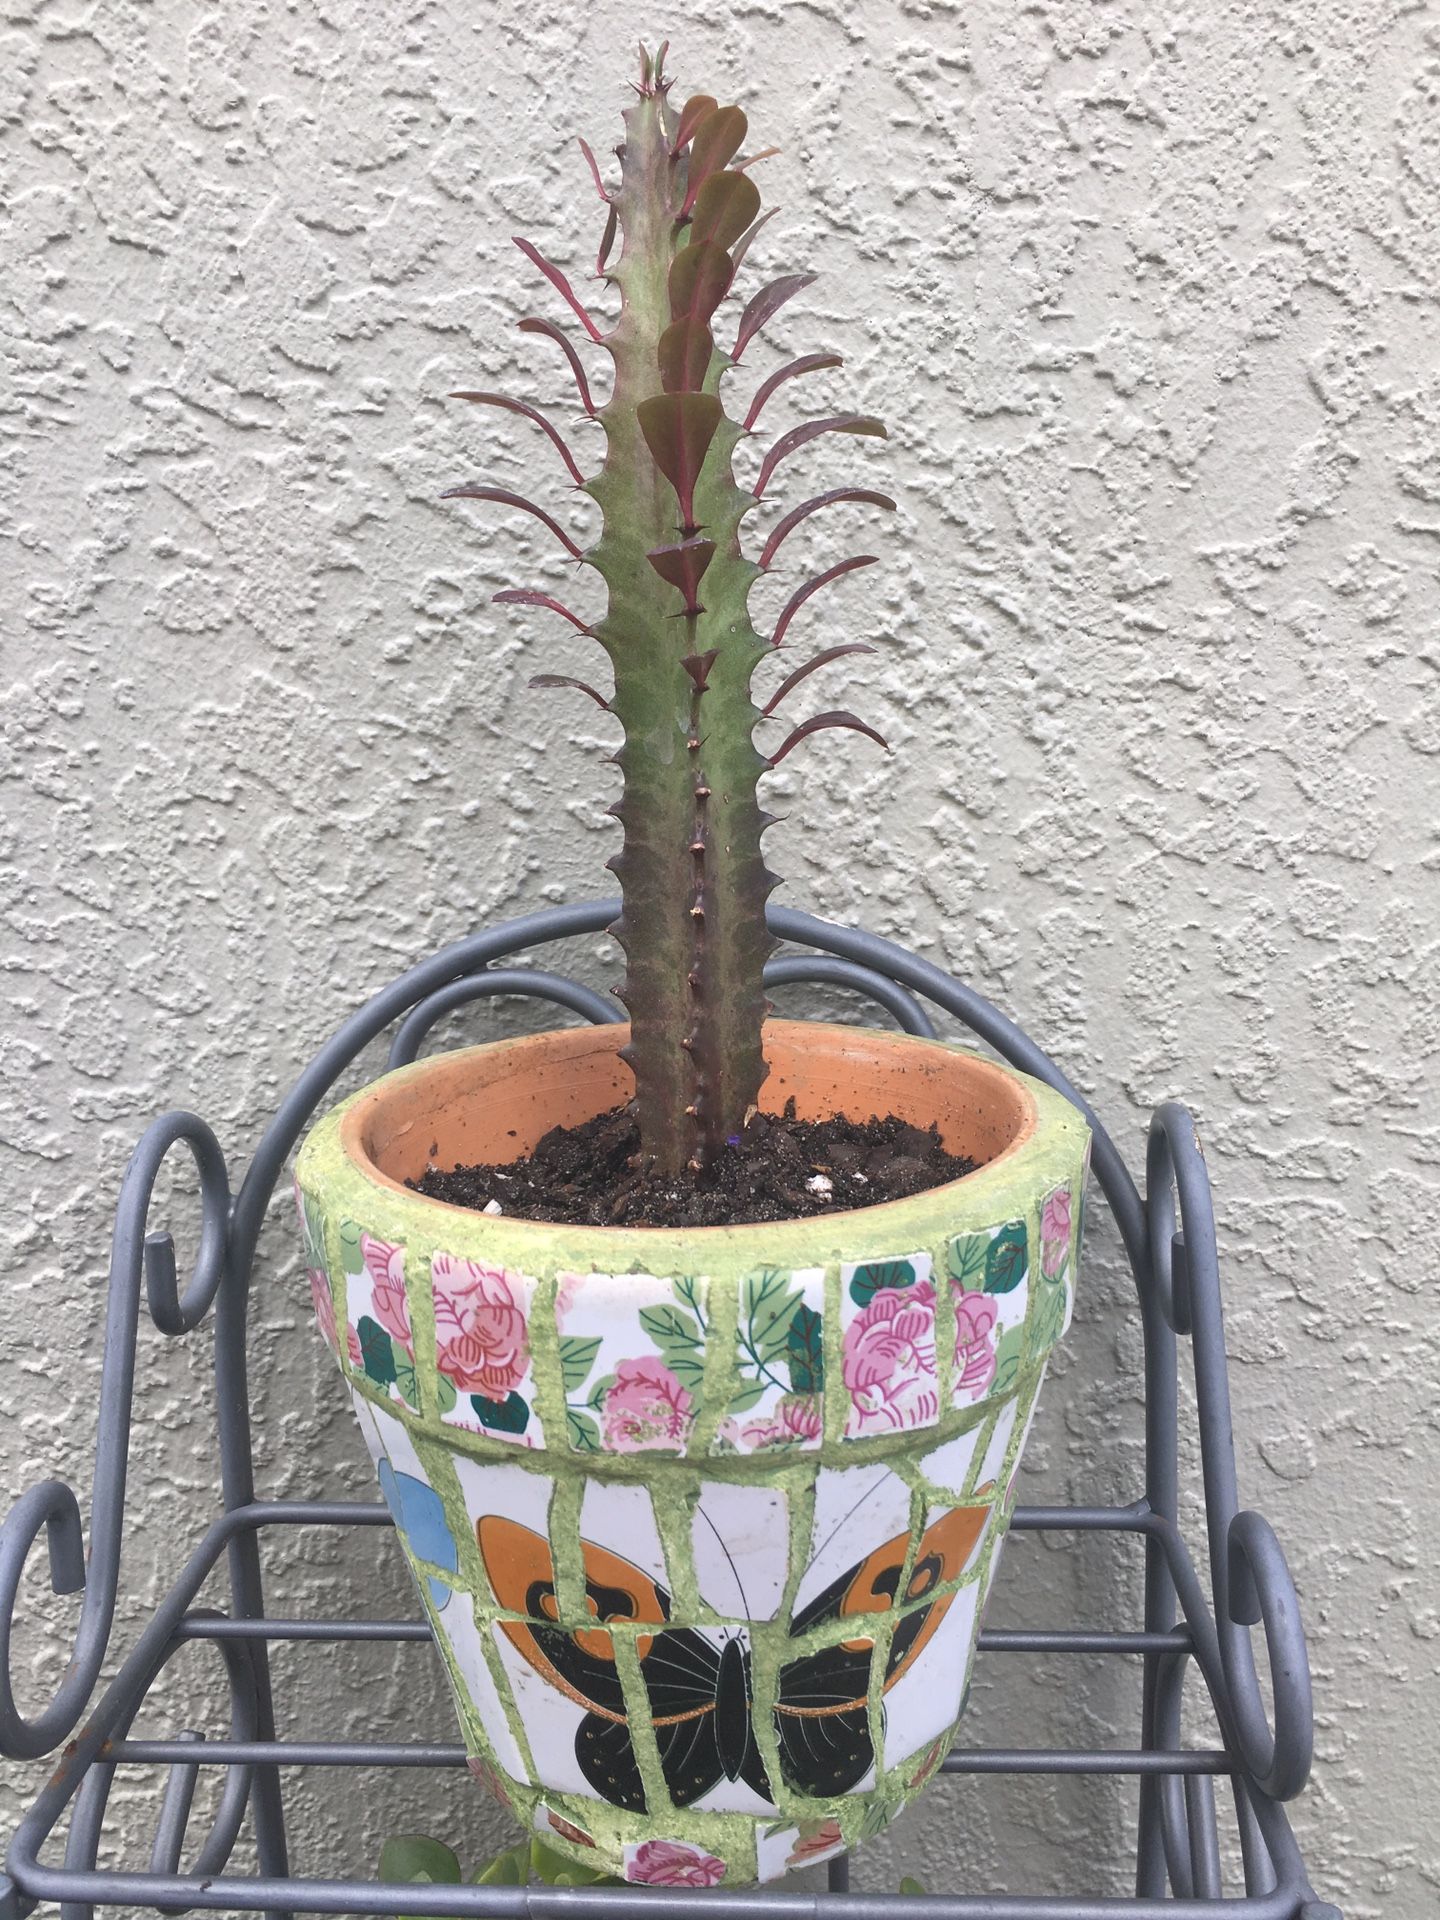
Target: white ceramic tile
{"type": "Point", "coordinates": [773, 1850]}
{"type": "Point", "coordinates": [993, 1462]}
{"type": "Point", "coordinates": [925, 1700]}
{"type": "Point", "coordinates": [810, 1844]}
{"type": "Point", "coordinates": [457, 1623]}
{"type": "Point", "coordinates": [482, 1349]}
{"type": "Point", "coordinates": [494, 1491]}
{"type": "Point", "coordinates": [621, 1519]}
{"type": "Point", "coordinates": [551, 1721]}
{"type": "Point", "coordinates": [632, 1349]}
{"type": "Point", "coordinates": [857, 1509]}
{"type": "Point", "coordinates": [888, 1364]}
{"type": "Point", "coordinates": [397, 1444]}
{"type": "Point", "coordinates": [949, 1466]}
{"type": "Point", "coordinates": [778, 1401]}
{"type": "Point", "coordinates": [417, 1509]}
{"type": "Point", "coordinates": [741, 1541]}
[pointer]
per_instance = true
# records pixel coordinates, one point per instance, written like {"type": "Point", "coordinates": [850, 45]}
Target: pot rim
{"type": "Point", "coordinates": [623, 1244]}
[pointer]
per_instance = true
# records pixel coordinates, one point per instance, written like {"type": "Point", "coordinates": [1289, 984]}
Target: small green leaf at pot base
{"type": "Point", "coordinates": [414, 1856]}
{"type": "Point", "coordinates": [554, 1870]}
{"type": "Point", "coordinates": [911, 1885]}
{"type": "Point", "coordinates": [511, 1415]}
{"type": "Point", "coordinates": [508, 1869]}
{"type": "Point", "coordinates": [377, 1352]}
{"type": "Point", "coordinates": [1005, 1262]}
{"type": "Point", "coordinates": [805, 1351]}
{"type": "Point", "coordinates": [867, 1281]}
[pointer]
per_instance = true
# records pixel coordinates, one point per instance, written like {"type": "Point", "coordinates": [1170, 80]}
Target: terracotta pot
{"type": "Point", "coordinates": [704, 1520]}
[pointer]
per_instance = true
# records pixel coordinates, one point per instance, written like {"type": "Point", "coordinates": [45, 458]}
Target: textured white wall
{"type": "Point", "coordinates": [1150, 298]}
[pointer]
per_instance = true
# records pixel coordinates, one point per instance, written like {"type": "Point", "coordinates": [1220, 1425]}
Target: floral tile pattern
{"type": "Point", "coordinates": [888, 1346]}
{"type": "Point", "coordinates": [482, 1349]}
{"type": "Point", "coordinates": [672, 1863]}
{"type": "Point", "coordinates": [779, 1397]}
{"type": "Point", "coordinates": [317, 1271]}
{"type": "Point", "coordinates": [377, 1314]}
{"type": "Point", "coordinates": [632, 1359]}
{"type": "Point", "coordinates": [989, 1276]}
{"type": "Point", "coordinates": [1058, 1217]}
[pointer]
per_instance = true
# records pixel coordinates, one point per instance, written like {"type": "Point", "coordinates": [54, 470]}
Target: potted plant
{"type": "Point", "coordinates": [703, 1516]}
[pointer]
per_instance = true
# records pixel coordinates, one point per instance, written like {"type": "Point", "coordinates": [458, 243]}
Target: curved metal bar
{"type": "Point", "coordinates": [825, 971]}
{"type": "Point", "coordinates": [1279, 1762]}
{"type": "Point", "coordinates": [83, 1842]}
{"type": "Point", "coordinates": [534, 985]}
{"type": "Point", "coordinates": [1249, 1578]}
{"type": "Point", "coordinates": [53, 1506]}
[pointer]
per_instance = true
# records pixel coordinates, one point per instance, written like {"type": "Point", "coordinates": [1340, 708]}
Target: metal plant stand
{"type": "Point", "coordinates": [1169, 1237]}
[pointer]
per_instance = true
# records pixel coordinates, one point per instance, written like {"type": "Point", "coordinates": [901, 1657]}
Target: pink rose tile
{"type": "Point", "coordinates": [989, 1276]}
{"type": "Point", "coordinates": [672, 1863]}
{"type": "Point", "coordinates": [379, 1341]}
{"type": "Point", "coordinates": [632, 1357]}
{"type": "Point", "coordinates": [888, 1359]}
{"type": "Point", "coordinates": [482, 1349]}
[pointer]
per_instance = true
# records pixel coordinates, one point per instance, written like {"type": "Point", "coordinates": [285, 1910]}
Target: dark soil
{"type": "Point", "coordinates": [780, 1168]}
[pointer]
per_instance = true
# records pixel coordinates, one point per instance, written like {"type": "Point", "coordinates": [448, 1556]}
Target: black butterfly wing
{"type": "Point", "coordinates": [700, 1701]}
{"type": "Point", "coordinates": [822, 1714]}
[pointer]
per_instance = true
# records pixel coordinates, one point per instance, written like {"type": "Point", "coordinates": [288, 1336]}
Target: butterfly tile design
{"type": "Point", "coordinates": [740, 1549]}
{"type": "Point", "coordinates": [632, 1358]}
{"type": "Point", "coordinates": [779, 1394]}
{"type": "Point", "coordinates": [925, 1701]}
{"type": "Point", "coordinates": [415, 1506]}
{"type": "Point", "coordinates": [989, 1275]}
{"type": "Point", "coordinates": [887, 1322]}
{"type": "Point", "coordinates": [482, 1349]}
{"type": "Point", "coordinates": [379, 1339]}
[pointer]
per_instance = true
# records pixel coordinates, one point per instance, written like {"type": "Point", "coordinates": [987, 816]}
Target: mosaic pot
{"type": "Point", "coordinates": [704, 1520]}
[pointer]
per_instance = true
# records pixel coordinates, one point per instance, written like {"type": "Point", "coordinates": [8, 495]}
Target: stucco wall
{"type": "Point", "coordinates": [1149, 296]}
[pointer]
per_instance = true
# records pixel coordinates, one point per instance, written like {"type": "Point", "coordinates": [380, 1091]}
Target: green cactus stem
{"type": "Point", "coordinates": [676, 626]}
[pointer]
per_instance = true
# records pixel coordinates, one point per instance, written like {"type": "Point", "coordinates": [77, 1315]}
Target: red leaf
{"type": "Point", "coordinates": [807, 363]}
{"type": "Point", "coordinates": [766, 304]}
{"type": "Point", "coordinates": [801, 673]}
{"type": "Point", "coordinates": [678, 429]}
{"type": "Point", "coordinates": [682, 566]}
{"type": "Point", "coordinates": [724, 208]}
{"type": "Point", "coordinates": [528, 597]}
{"type": "Point", "coordinates": [586, 149]}
{"type": "Point", "coordinates": [837, 718]}
{"type": "Point", "coordinates": [715, 144]}
{"type": "Point", "coordinates": [811, 430]}
{"type": "Point", "coordinates": [558, 281]}
{"type": "Point", "coordinates": [607, 240]}
{"type": "Point", "coordinates": [697, 108]}
{"type": "Point", "coordinates": [699, 280]}
{"type": "Point", "coordinates": [508, 499]}
{"type": "Point", "coordinates": [530, 413]}
{"type": "Point", "coordinates": [742, 245]}
{"type": "Point", "coordinates": [552, 332]}
{"type": "Point", "coordinates": [806, 507]}
{"type": "Point", "coordinates": [802, 594]}
{"type": "Point", "coordinates": [684, 355]}
{"type": "Point", "coordinates": [568, 680]}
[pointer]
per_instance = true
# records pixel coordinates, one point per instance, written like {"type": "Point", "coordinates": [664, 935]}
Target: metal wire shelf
{"type": "Point", "coordinates": [1169, 1239]}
